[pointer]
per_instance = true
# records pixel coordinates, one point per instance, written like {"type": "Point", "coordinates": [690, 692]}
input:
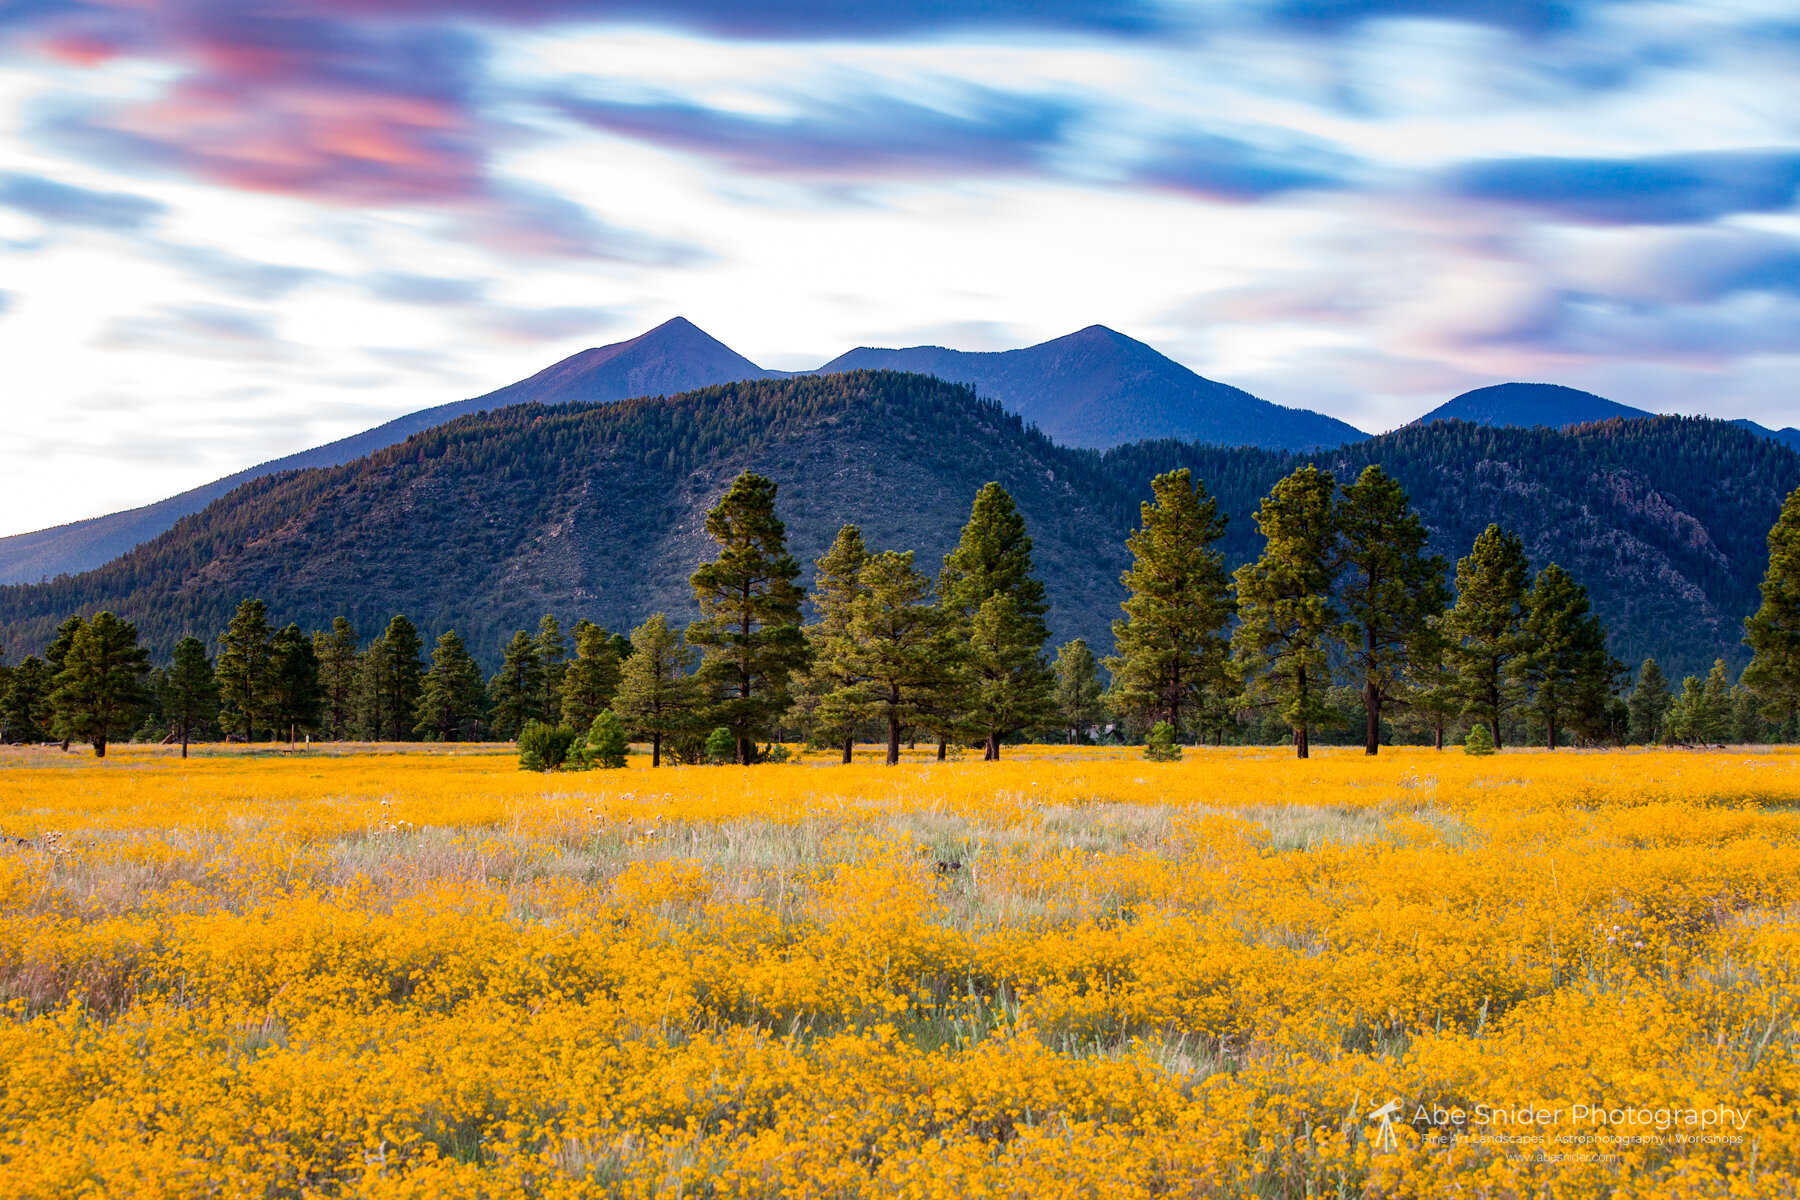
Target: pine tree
{"type": "Point", "coordinates": [553, 653]}
{"type": "Point", "coordinates": [246, 660]}
{"type": "Point", "coordinates": [840, 704]}
{"type": "Point", "coordinates": [100, 690]}
{"type": "Point", "coordinates": [1747, 723]}
{"type": "Point", "coordinates": [517, 691]}
{"type": "Point", "coordinates": [404, 649]}
{"type": "Point", "coordinates": [749, 630]}
{"type": "Point", "coordinates": [1077, 688]}
{"type": "Point", "coordinates": [54, 656]}
{"type": "Point", "coordinates": [1715, 718]}
{"type": "Point", "coordinates": [190, 693]}
{"type": "Point", "coordinates": [592, 677]}
{"type": "Point", "coordinates": [1286, 618]}
{"type": "Point", "coordinates": [450, 699]}
{"type": "Point", "coordinates": [374, 698]}
{"type": "Point", "coordinates": [1563, 659]}
{"type": "Point", "coordinates": [1171, 647]}
{"type": "Point", "coordinates": [335, 651]}
{"type": "Point", "coordinates": [1773, 631]}
{"type": "Point", "coordinates": [1008, 683]}
{"type": "Point", "coordinates": [1486, 625]}
{"type": "Point", "coordinates": [25, 711]}
{"type": "Point", "coordinates": [1011, 687]}
{"type": "Point", "coordinates": [1649, 701]}
{"type": "Point", "coordinates": [1391, 590]}
{"type": "Point", "coordinates": [294, 693]}
{"type": "Point", "coordinates": [901, 643]}
{"type": "Point", "coordinates": [606, 740]}
{"type": "Point", "coordinates": [657, 698]}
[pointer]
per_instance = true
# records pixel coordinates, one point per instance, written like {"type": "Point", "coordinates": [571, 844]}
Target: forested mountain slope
{"type": "Point", "coordinates": [598, 511]}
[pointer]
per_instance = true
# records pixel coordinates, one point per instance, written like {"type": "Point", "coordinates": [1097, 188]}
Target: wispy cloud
{"type": "Point", "coordinates": [66, 204]}
{"type": "Point", "coordinates": [1659, 189]}
{"type": "Point", "coordinates": [848, 138]}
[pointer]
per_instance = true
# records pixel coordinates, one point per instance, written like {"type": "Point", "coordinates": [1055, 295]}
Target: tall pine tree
{"type": "Point", "coordinates": [404, 648]}
{"type": "Point", "coordinates": [1487, 625]}
{"type": "Point", "coordinates": [1286, 618]}
{"type": "Point", "coordinates": [553, 653]}
{"type": "Point", "coordinates": [1172, 652]}
{"type": "Point", "coordinates": [451, 697]}
{"type": "Point", "coordinates": [25, 709]}
{"type": "Point", "coordinates": [749, 629]}
{"type": "Point", "coordinates": [246, 661]}
{"type": "Point", "coordinates": [1008, 681]}
{"type": "Point", "coordinates": [902, 642]}
{"type": "Point", "coordinates": [1773, 631]}
{"type": "Point", "coordinates": [517, 690]}
{"type": "Point", "coordinates": [1564, 662]}
{"type": "Point", "coordinates": [657, 697]}
{"type": "Point", "coordinates": [1077, 688]}
{"type": "Point", "coordinates": [1390, 590]}
{"type": "Point", "coordinates": [840, 704]}
{"type": "Point", "coordinates": [294, 693]}
{"type": "Point", "coordinates": [1649, 701]}
{"type": "Point", "coordinates": [100, 690]}
{"type": "Point", "coordinates": [335, 650]}
{"type": "Point", "coordinates": [190, 693]}
{"type": "Point", "coordinates": [592, 678]}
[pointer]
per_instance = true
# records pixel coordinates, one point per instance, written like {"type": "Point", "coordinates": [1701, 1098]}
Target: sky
{"type": "Point", "coordinates": [232, 229]}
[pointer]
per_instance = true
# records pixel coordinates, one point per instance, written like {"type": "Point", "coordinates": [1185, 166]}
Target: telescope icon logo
{"type": "Point", "coordinates": [1384, 1138]}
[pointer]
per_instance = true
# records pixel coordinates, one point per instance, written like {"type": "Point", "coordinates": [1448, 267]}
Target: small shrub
{"type": "Point", "coordinates": [607, 744]}
{"type": "Point", "coordinates": [776, 753]}
{"type": "Point", "coordinates": [1478, 741]}
{"type": "Point", "coordinates": [721, 746]}
{"type": "Point", "coordinates": [545, 747]}
{"type": "Point", "coordinates": [1161, 747]}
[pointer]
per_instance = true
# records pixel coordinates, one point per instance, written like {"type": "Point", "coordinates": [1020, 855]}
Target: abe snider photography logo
{"type": "Point", "coordinates": [1539, 1126]}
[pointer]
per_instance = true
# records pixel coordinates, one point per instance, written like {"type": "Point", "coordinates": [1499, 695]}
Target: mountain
{"type": "Point", "coordinates": [597, 511]}
{"type": "Point", "coordinates": [1098, 388]}
{"type": "Point", "coordinates": [676, 356]}
{"type": "Point", "coordinates": [1529, 404]}
{"type": "Point", "coordinates": [1789, 437]}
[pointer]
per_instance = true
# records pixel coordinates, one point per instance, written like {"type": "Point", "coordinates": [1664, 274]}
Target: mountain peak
{"type": "Point", "coordinates": [676, 356]}
{"type": "Point", "coordinates": [1529, 404]}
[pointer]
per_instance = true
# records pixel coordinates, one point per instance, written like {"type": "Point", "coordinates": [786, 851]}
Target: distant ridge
{"type": "Point", "coordinates": [676, 356]}
{"type": "Point", "coordinates": [1096, 388]}
{"type": "Point", "coordinates": [1529, 404]}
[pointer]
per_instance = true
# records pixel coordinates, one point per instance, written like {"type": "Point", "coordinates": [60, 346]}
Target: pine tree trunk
{"type": "Point", "coordinates": [1071, 735]}
{"type": "Point", "coordinates": [991, 752]}
{"type": "Point", "coordinates": [943, 748]}
{"type": "Point", "coordinates": [849, 746]}
{"type": "Point", "coordinates": [893, 754]}
{"type": "Point", "coordinates": [744, 751]}
{"type": "Point", "coordinates": [184, 737]}
{"type": "Point", "coordinates": [1300, 744]}
{"type": "Point", "coordinates": [100, 747]}
{"type": "Point", "coordinates": [1550, 734]}
{"type": "Point", "coordinates": [1494, 728]}
{"type": "Point", "coordinates": [1438, 731]}
{"type": "Point", "coordinates": [656, 749]}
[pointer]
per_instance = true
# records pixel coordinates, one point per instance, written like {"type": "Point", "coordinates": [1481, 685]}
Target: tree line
{"type": "Point", "coordinates": [1343, 609]}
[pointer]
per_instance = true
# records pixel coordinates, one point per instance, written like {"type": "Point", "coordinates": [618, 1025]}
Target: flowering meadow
{"type": "Point", "coordinates": [1067, 973]}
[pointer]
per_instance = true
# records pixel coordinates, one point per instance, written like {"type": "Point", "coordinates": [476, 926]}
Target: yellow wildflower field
{"type": "Point", "coordinates": [1068, 973]}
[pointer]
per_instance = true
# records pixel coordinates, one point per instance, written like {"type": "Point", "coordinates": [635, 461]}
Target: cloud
{"type": "Point", "coordinates": [235, 274]}
{"type": "Point", "coordinates": [850, 138]}
{"type": "Point", "coordinates": [65, 204]}
{"type": "Point", "coordinates": [407, 288]}
{"type": "Point", "coordinates": [7, 300]}
{"type": "Point", "coordinates": [1519, 16]}
{"type": "Point", "coordinates": [1222, 168]}
{"type": "Point", "coordinates": [205, 330]}
{"type": "Point", "coordinates": [801, 19]}
{"type": "Point", "coordinates": [1663, 189]}
{"type": "Point", "coordinates": [544, 324]}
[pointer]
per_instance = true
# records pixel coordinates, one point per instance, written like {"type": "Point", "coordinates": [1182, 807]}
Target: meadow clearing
{"type": "Point", "coordinates": [1068, 973]}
